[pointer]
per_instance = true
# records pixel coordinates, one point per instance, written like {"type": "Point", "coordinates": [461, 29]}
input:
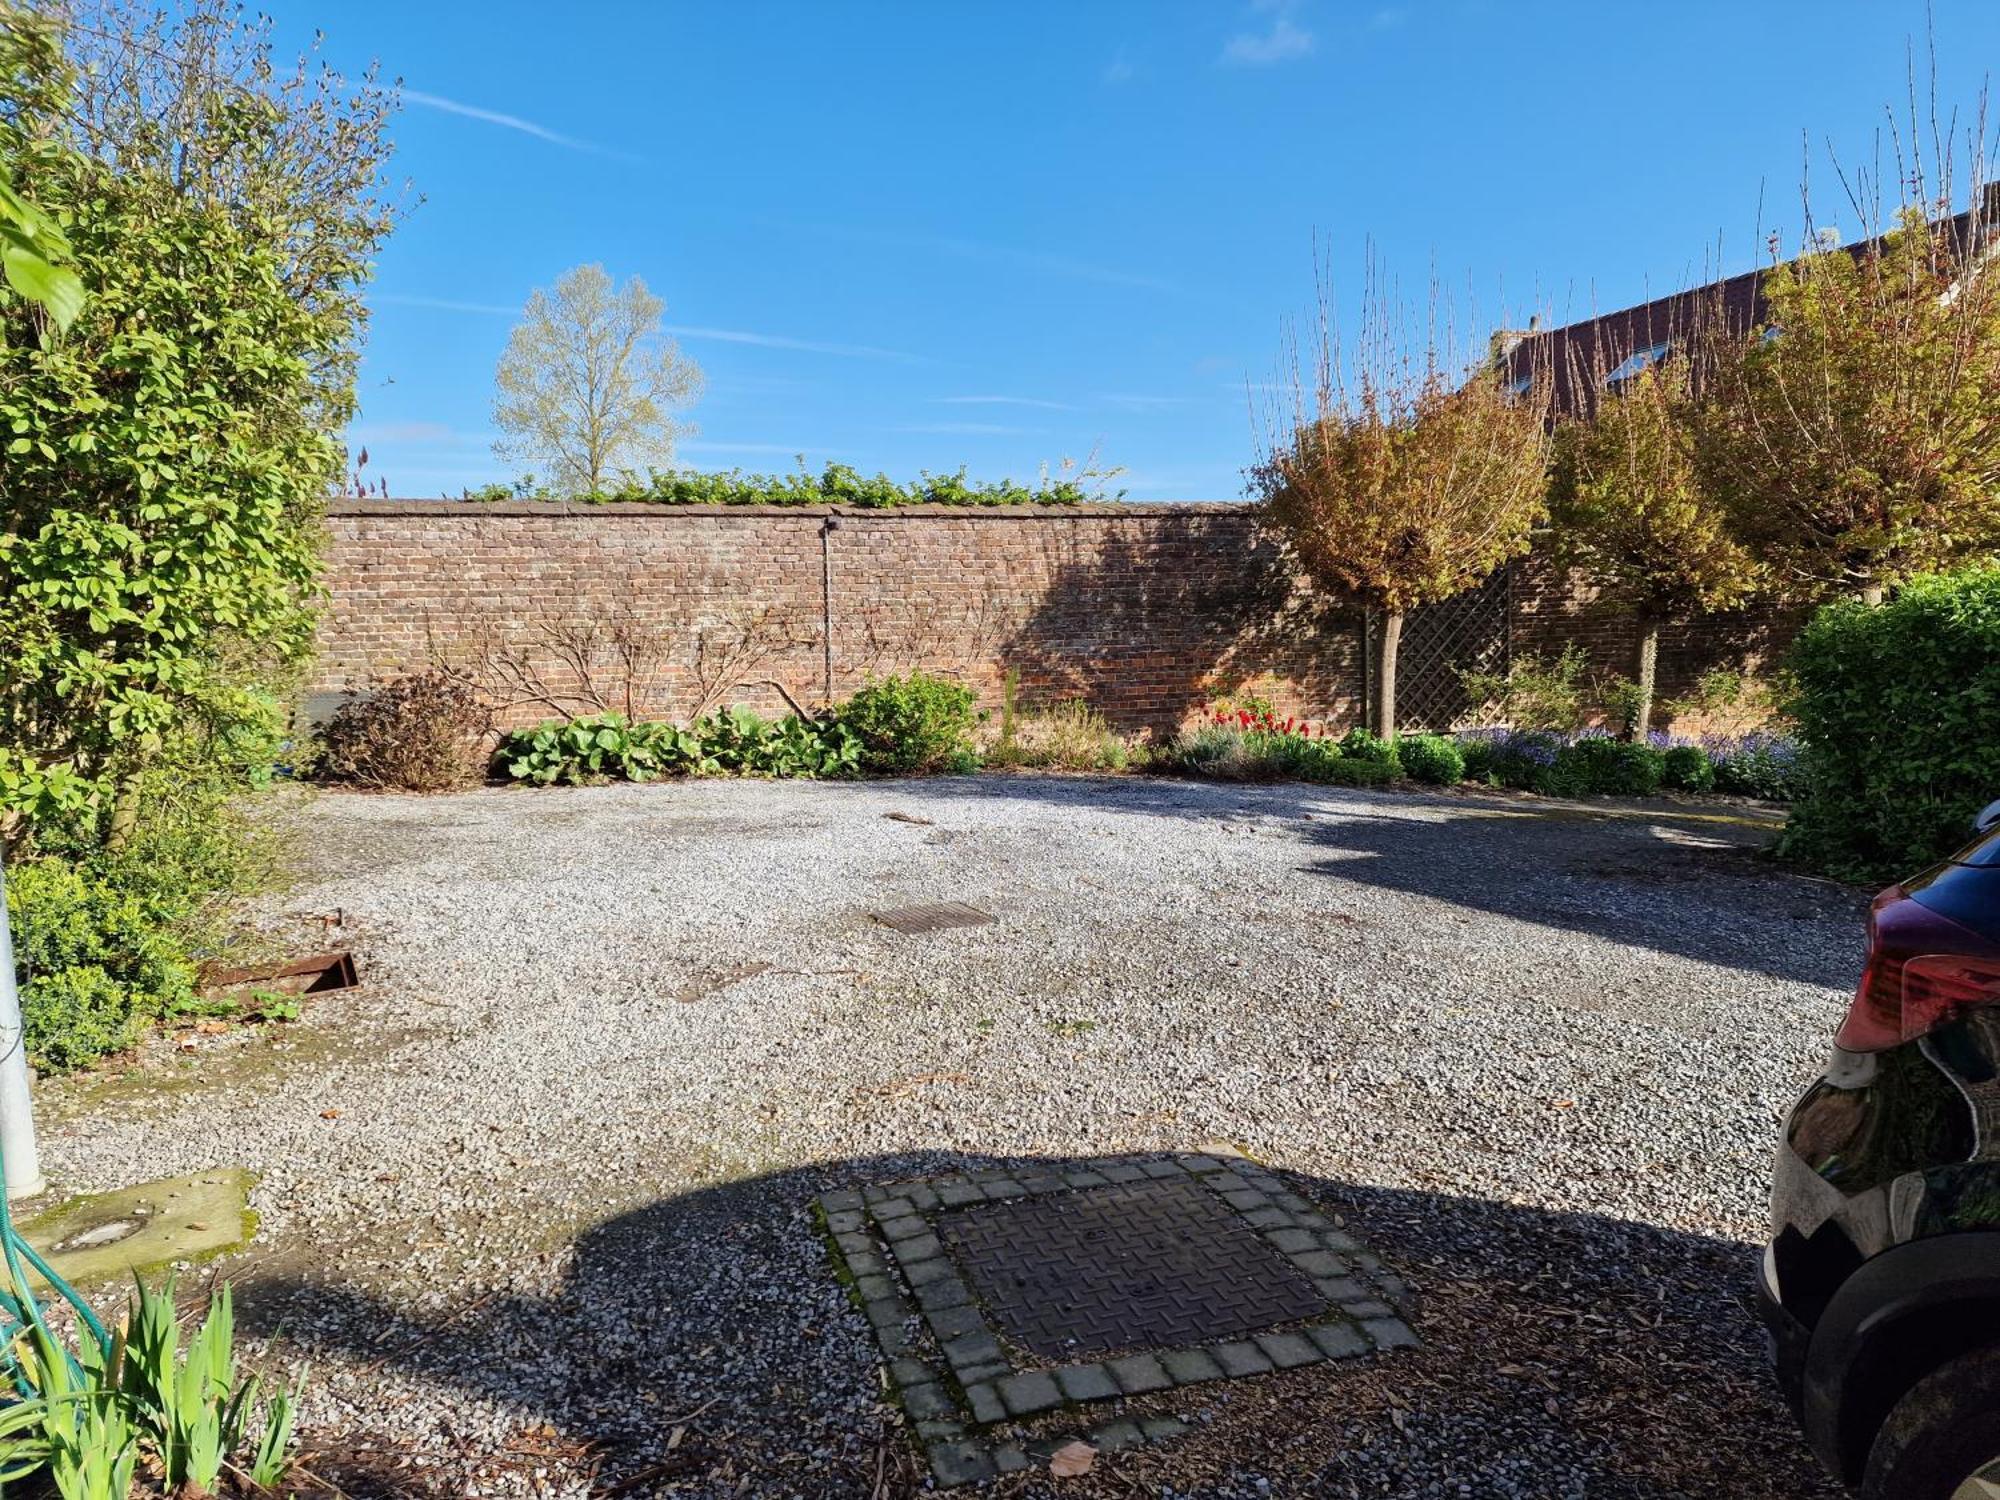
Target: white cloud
{"type": "Point", "coordinates": [1285, 41]}
{"type": "Point", "coordinates": [1121, 69]}
{"type": "Point", "coordinates": [678, 330]}
{"type": "Point", "coordinates": [804, 346]}
{"type": "Point", "coordinates": [1034, 401]}
{"type": "Point", "coordinates": [507, 122]}
{"type": "Point", "coordinates": [1145, 403]}
{"type": "Point", "coordinates": [443, 304]}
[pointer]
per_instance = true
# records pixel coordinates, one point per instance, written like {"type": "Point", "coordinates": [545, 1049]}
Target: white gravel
{"type": "Point", "coordinates": [612, 1041]}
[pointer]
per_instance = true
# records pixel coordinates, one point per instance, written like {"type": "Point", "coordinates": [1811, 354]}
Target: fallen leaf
{"type": "Point", "coordinates": [903, 817]}
{"type": "Point", "coordinates": [1564, 1104]}
{"type": "Point", "coordinates": [197, 1224]}
{"type": "Point", "coordinates": [211, 1028]}
{"type": "Point", "coordinates": [329, 1114]}
{"type": "Point", "coordinates": [1072, 1459]}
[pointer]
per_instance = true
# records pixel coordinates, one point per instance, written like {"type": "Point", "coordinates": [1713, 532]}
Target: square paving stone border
{"type": "Point", "coordinates": [954, 1374]}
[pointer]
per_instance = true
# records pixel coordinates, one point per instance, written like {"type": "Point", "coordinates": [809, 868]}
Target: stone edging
{"type": "Point", "coordinates": [954, 1374]}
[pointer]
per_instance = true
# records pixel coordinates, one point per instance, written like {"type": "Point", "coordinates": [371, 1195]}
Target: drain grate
{"type": "Point", "coordinates": [932, 916]}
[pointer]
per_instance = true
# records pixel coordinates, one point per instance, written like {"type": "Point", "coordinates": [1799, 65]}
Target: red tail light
{"type": "Point", "coordinates": [1923, 971]}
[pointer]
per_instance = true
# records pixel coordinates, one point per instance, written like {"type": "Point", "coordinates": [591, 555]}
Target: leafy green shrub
{"type": "Point", "coordinates": [1213, 750]}
{"type": "Point", "coordinates": [1360, 744]}
{"type": "Point", "coordinates": [596, 747]}
{"type": "Point", "coordinates": [1522, 759]}
{"type": "Point", "coordinates": [94, 962]}
{"type": "Point", "coordinates": [914, 723]}
{"type": "Point", "coordinates": [1071, 736]}
{"type": "Point", "coordinates": [1758, 764]}
{"type": "Point", "coordinates": [1534, 693]}
{"type": "Point", "coordinates": [419, 733]}
{"type": "Point", "coordinates": [1602, 766]}
{"type": "Point", "coordinates": [1431, 758]}
{"type": "Point", "coordinates": [1476, 750]}
{"type": "Point", "coordinates": [1896, 707]}
{"type": "Point", "coordinates": [836, 484]}
{"type": "Point", "coordinates": [1687, 768]}
{"type": "Point", "coordinates": [1228, 752]}
{"type": "Point", "coordinates": [742, 742]}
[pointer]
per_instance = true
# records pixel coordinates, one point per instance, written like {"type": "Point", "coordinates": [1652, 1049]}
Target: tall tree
{"type": "Point", "coordinates": [1628, 506]}
{"type": "Point", "coordinates": [167, 460]}
{"type": "Point", "coordinates": [1397, 479]}
{"type": "Point", "coordinates": [587, 387]}
{"type": "Point", "coordinates": [1855, 438]}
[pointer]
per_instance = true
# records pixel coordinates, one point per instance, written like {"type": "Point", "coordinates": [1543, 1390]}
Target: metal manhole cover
{"type": "Point", "coordinates": [932, 916]}
{"type": "Point", "coordinates": [1145, 1266]}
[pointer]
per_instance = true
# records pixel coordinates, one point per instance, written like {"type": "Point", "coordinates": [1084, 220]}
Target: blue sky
{"type": "Point", "coordinates": [917, 236]}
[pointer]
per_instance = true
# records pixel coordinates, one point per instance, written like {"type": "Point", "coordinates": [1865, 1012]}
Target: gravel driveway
{"type": "Point", "coordinates": [533, 1199]}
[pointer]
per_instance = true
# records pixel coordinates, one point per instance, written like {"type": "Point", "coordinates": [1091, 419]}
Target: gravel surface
{"type": "Point", "coordinates": [534, 1198]}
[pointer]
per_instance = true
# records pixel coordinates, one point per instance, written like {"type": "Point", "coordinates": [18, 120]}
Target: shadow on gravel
{"type": "Point", "coordinates": [1702, 891]}
{"type": "Point", "coordinates": [700, 1346]}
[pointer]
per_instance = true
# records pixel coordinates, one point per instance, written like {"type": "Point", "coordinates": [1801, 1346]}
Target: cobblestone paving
{"type": "Point", "coordinates": [988, 1293]}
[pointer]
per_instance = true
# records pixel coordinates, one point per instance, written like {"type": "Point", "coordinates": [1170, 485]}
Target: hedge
{"type": "Point", "coordinates": [1898, 711]}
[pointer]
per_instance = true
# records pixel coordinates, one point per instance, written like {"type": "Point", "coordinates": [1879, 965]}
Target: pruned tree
{"type": "Point", "coordinates": [588, 385]}
{"type": "Point", "coordinates": [1401, 475]}
{"type": "Point", "coordinates": [1629, 507]}
{"type": "Point", "coordinates": [1854, 436]}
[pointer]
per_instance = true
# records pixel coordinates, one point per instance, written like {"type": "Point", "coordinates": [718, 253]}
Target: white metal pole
{"type": "Point", "coordinates": [17, 1120]}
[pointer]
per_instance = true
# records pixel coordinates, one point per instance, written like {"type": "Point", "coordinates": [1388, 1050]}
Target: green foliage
{"type": "Point", "coordinates": [1535, 693]}
{"type": "Point", "coordinates": [421, 732]}
{"type": "Point", "coordinates": [1229, 752]}
{"type": "Point", "coordinates": [909, 724]}
{"type": "Point", "coordinates": [1476, 752]}
{"type": "Point", "coordinates": [89, 1421]}
{"type": "Point", "coordinates": [1361, 744]}
{"type": "Point", "coordinates": [1687, 768]}
{"type": "Point", "coordinates": [1896, 707]}
{"type": "Point", "coordinates": [588, 382]}
{"type": "Point", "coordinates": [1607, 767]}
{"type": "Point", "coordinates": [1627, 504]}
{"type": "Point", "coordinates": [33, 250]}
{"type": "Point", "coordinates": [1431, 758]}
{"type": "Point", "coordinates": [596, 747]}
{"type": "Point", "coordinates": [168, 457]}
{"type": "Point", "coordinates": [735, 742]}
{"type": "Point", "coordinates": [1071, 736]}
{"type": "Point", "coordinates": [741, 742]}
{"type": "Point", "coordinates": [95, 959]}
{"type": "Point", "coordinates": [1759, 764]}
{"type": "Point", "coordinates": [1854, 441]}
{"type": "Point", "coordinates": [836, 484]}
{"type": "Point", "coordinates": [193, 1408]}
{"type": "Point", "coordinates": [77, 1426]}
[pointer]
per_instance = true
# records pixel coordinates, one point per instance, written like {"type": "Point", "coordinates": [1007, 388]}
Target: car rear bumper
{"type": "Point", "coordinates": [1789, 1338]}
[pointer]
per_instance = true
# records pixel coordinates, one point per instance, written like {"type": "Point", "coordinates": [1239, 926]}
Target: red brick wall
{"type": "Point", "coordinates": [1149, 611]}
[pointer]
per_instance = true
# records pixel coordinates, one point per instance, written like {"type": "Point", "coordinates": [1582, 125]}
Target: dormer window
{"type": "Point", "coordinates": [1632, 364]}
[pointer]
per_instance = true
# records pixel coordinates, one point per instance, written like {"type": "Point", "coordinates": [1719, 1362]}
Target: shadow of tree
{"type": "Point", "coordinates": [699, 1345]}
{"type": "Point", "coordinates": [1703, 893]}
{"type": "Point", "coordinates": [1174, 611]}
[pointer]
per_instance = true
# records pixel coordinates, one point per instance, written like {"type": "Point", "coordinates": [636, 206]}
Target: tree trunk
{"type": "Point", "coordinates": [1649, 671]}
{"type": "Point", "coordinates": [1385, 673]}
{"type": "Point", "coordinates": [1871, 594]}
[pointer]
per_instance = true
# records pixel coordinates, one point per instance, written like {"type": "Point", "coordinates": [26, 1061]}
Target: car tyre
{"type": "Point", "coordinates": [1941, 1434]}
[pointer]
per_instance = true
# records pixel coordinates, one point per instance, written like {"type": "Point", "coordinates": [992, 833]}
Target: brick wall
{"type": "Point", "coordinates": [1148, 611]}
